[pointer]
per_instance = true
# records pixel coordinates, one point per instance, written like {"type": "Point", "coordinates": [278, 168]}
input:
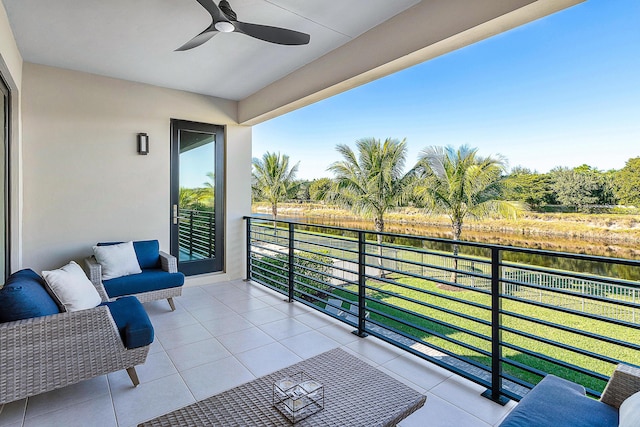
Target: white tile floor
{"type": "Point", "coordinates": [226, 334]}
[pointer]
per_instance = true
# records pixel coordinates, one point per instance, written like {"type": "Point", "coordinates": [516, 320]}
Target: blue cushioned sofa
{"type": "Point", "coordinates": [159, 279]}
{"type": "Point", "coordinates": [42, 348]}
{"type": "Point", "coordinates": [556, 402]}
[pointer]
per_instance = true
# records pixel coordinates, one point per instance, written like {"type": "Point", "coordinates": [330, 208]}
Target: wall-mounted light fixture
{"type": "Point", "coordinates": [143, 144]}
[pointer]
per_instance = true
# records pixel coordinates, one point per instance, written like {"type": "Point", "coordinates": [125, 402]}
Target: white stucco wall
{"type": "Point", "coordinates": [10, 58]}
{"type": "Point", "coordinates": [84, 181]}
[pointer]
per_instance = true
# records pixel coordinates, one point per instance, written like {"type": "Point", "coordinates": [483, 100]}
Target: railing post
{"type": "Point", "coordinates": [248, 274]}
{"type": "Point", "coordinates": [190, 233]}
{"type": "Point", "coordinates": [362, 283]}
{"type": "Point", "coordinates": [291, 264]}
{"type": "Point", "coordinates": [494, 393]}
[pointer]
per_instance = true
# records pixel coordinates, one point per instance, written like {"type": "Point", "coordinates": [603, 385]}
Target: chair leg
{"type": "Point", "coordinates": [1, 408]}
{"type": "Point", "coordinates": [133, 375]}
{"type": "Point", "coordinates": [171, 304]}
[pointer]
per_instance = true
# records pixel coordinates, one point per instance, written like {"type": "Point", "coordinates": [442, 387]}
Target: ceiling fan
{"type": "Point", "coordinates": [225, 20]}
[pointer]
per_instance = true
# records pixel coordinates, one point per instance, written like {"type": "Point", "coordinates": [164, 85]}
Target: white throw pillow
{"type": "Point", "coordinates": [117, 260]}
{"type": "Point", "coordinates": [630, 411]}
{"type": "Point", "coordinates": [72, 287]}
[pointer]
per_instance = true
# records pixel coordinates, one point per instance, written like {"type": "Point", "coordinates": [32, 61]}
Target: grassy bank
{"type": "Point", "coordinates": [604, 226]}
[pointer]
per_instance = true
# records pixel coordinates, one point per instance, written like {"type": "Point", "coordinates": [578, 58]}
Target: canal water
{"type": "Point", "coordinates": [525, 239]}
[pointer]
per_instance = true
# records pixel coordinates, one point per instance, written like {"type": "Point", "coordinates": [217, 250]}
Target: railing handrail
{"type": "Point", "coordinates": [532, 251]}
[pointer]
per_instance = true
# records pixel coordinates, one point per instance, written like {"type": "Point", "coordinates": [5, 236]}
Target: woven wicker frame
{"type": "Point", "coordinates": [624, 382]}
{"type": "Point", "coordinates": [45, 353]}
{"type": "Point", "coordinates": [168, 262]}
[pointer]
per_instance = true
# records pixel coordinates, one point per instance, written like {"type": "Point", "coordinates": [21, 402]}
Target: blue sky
{"type": "Point", "coordinates": [561, 91]}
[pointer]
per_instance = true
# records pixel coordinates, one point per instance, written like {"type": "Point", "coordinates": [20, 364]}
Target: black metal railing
{"type": "Point", "coordinates": [500, 316]}
{"type": "Point", "coordinates": [196, 234]}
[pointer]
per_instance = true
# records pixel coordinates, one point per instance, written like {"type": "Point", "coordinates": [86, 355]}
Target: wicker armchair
{"type": "Point", "coordinates": [168, 264]}
{"type": "Point", "coordinates": [45, 353]}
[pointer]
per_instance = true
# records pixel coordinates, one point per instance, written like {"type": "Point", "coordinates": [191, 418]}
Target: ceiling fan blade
{"type": "Point", "coordinates": [213, 10]}
{"type": "Point", "coordinates": [271, 34]}
{"type": "Point", "coordinates": [199, 39]}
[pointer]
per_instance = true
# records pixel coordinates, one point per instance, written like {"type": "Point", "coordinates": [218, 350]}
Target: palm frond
{"type": "Point", "coordinates": [371, 181]}
{"type": "Point", "coordinates": [460, 183]}
{"type": "Point", "coordinates": [273, 179]}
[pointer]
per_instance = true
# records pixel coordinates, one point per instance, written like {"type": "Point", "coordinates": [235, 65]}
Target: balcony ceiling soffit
{"type": "Point", "coordinates": [134, 40]}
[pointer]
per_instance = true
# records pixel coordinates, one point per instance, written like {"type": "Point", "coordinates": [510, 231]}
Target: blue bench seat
{"type": "Point", "coordinates": [152, 279]}
{"type": "Point", "coordinates": [132, 321]}
{"type": "Point", "coordinates": [556, 402]}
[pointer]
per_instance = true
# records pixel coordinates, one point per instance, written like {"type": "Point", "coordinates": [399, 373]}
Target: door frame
{"type": "Point", "coordinates": [6, 147]}
{"type": "Point", "coordinates": [210, 265]}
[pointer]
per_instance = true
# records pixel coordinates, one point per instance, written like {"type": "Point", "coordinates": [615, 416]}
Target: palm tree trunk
{"type": "Point", "coordinates": [379, 227]}
{"type": "Point", "coordinates": [274, 212]}
{"type": "Point", "coordinates": [456, 227]}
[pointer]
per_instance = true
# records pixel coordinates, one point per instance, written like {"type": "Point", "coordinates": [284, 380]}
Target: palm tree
{"type": "Point", "coordinates": [209, 186]}
{"type": "Point", "coordinates": [461, 184]}
{"type": "Point", "coordinates": [273, 180]}
{"type": "Point", "coordinates": [192, 198]}
{"type": "Point", "coordinates": [373, 181]}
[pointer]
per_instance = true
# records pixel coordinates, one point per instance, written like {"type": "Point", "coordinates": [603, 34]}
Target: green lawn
{"type": "Point", "coordinates": [578, 322]}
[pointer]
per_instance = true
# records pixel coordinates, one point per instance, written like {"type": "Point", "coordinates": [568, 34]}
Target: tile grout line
{"type": "Point", "coordinates": [113, 405]}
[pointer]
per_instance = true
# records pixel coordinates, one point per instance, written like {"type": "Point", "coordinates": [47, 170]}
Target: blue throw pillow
{"type": "Point", "coordinates": [24, 296]}
{"type": "Point", "coordinates": [148, 253]}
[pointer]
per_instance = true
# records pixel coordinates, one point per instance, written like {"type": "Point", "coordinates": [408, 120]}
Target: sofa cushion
{"type": "Point", "coordinates": [117, 260]}
{"type": "Point", "coordinates": [149, 280]}
{"type": "Point", "coordinates": [556, 402]}
{"type": "Point", "coordinates": [147, 252]}
{"type": "Point", "coordinates": [132, 321]}
{"type": "Point", "coordinates": [23, 296]}
{"type": "Point", "coordinates": [72, 287]}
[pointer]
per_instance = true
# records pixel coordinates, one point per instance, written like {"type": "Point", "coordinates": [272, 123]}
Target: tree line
{"type": "Point", "coordinates": [580, 189]}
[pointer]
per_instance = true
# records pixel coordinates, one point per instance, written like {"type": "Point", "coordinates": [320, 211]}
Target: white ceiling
{"type": "Point", "coordinates": [135, 39]}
